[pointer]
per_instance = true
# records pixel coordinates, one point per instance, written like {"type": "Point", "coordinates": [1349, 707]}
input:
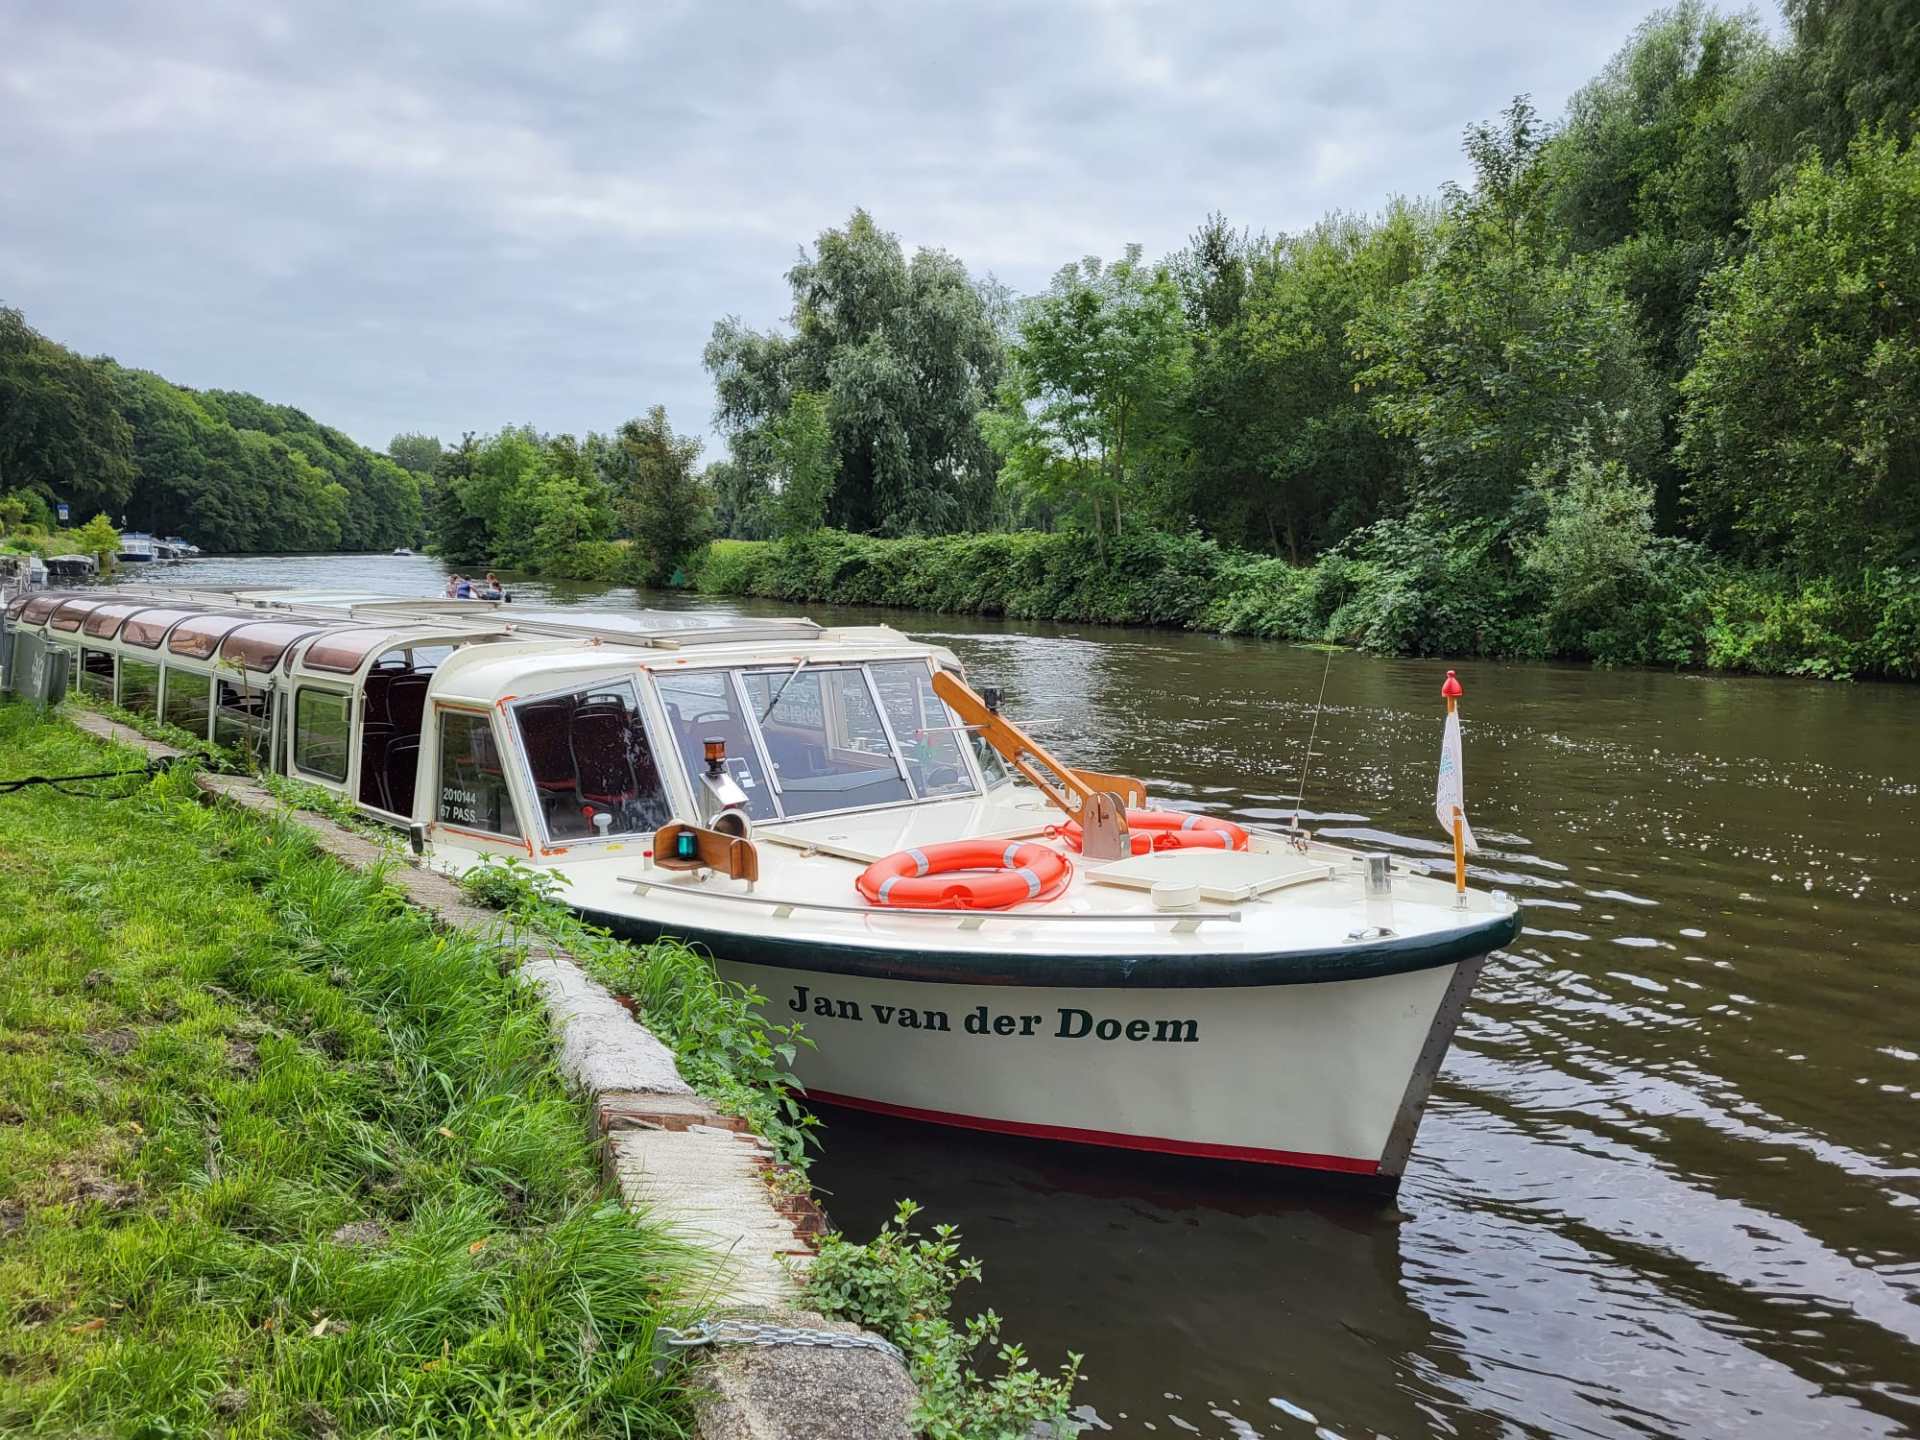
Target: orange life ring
{"type": "Point", "coordinates": [928, 877]}
{"type": "Point", "coordinates": [1150, 830]}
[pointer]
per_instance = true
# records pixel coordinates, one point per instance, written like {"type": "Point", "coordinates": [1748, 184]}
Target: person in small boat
{"type": "Point", "coordinates": [490, 590]}
{"type": "Point", "coordinates": [453, 584]}
{"type": "Point", "coordinates": [462, 588]}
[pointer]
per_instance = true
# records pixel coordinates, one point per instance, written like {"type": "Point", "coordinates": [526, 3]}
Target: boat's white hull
{"type": "Point", "coordinates": [1328, 1076]}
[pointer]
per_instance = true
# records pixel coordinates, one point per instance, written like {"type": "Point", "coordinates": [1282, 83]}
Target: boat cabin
{"type": "Point", "coordinates": [540, 733]}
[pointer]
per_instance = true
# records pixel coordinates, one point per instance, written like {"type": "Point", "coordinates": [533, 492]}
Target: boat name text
{"type": "Point", "coordinates": [1067, 1022]}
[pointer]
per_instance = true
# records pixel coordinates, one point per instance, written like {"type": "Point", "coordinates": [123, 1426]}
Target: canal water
{"type": "Point", "coordinates": [1670, 1180]}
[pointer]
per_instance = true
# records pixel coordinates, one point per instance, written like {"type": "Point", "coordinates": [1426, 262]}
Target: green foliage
{"type": "Point", "coordinates": [900, 1285]}
{"type": "Point", "coordinates": [417, 454]}
{"type": "Point", "coordinates": [1502, 350]}
{"type": "Point", "coordinates": [1596, 541]}
{"type": "Point", "coordinates": [803, 452]}
{"type": "Point", "coordinates": [1287, 455]}
{"type": "Point", "coordinates": [99, 539]}
{"type": "Point", "coordinates": [1089, 420]}
{"type": "Point", "coordinates": [743, 500]}
{"type": "Point", "coordinates": [284, 1160]}
{"type": "Point", "coordinates": [229, 470]}
{"type": "Point", "coordinates": [1413, 585]}
{"type": "Point", "coordinates": [1801, 431]}
{"type": "Point", "coordinates": [61, 434]}
{"type": "Point", "coordinates": [665, 506]}
{"type": "Point", "coordinates": [906, 354]}
{"type": "Point", "coordinates": [720, 1037]}
{"type": "Point", "coordinates": [1856, 65]}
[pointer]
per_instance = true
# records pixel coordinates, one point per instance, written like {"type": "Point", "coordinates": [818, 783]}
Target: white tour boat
{"type": "Point", "coordinates": [972, 932]}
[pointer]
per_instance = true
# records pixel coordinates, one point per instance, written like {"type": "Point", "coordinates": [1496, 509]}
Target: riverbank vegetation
{"type": "Point", "coordinates": [225, 469]}
{"type": "Point", "coordinates": [1642, 389]}
{"type": "Point", "coordinates": [280, 1159]}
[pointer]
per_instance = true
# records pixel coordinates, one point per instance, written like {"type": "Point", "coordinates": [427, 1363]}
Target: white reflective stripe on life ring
{"type": "Point", "coordinates": [1033, 881]}
{"type": "Point", "coordinates": [919, 859]}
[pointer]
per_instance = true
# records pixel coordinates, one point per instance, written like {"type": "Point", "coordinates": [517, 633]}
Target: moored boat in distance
{"type": "Point", "coordinates": [973, 932]}
{"type": "Point", "coordinates": [138, 548]}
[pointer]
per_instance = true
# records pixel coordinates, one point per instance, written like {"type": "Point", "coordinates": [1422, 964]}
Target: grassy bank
{"type": "Point", "coordinates": [277, 1159]}
{"type": "Point", "coordinates": [1396, 588]}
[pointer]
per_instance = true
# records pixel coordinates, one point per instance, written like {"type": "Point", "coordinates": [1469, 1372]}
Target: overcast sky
{"type": "Point", "coordinates": [453, 216]}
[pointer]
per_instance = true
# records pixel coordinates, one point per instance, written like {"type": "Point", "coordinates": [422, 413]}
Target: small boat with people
{"type": "Point", "coordinates": [973, 931]}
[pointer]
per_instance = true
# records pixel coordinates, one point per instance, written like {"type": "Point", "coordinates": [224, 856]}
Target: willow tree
{"type": "Point", "coordinates": [905, 353]}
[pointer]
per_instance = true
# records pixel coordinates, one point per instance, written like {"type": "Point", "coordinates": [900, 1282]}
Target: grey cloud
{"type": "Point", "coordinates": [455, 216]}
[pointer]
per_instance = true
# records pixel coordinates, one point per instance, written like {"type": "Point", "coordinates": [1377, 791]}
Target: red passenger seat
{"type": "Point", "coordinates": [546, 735]}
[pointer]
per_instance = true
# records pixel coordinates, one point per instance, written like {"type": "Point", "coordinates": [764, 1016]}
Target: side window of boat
{"type": "Point", "coordinates": [187, 699]}
{"type": "Point", "coordinates": [319, 732]}
{"type": "Point", "coordinates": [473, 792]}
{"type": "Point", "coordinates": [242, 714]}
{"type": "Point", "coordinates": [139, 686]}
{"type": "Point", "coordinates": [701, 706]}
{"type": "Point", "coordinates": [926, 730]}
{"type": "Point", "coordinates": [592, 764]}
{"type": "Point", "coordinates": [96, 673]}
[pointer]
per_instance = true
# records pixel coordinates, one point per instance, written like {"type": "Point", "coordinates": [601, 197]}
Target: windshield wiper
{"type": "Point", "coordinates": [783, 689]}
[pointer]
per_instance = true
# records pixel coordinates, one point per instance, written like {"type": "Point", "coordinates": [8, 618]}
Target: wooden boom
{"type": "Point", "coordinates": [1072, 790]}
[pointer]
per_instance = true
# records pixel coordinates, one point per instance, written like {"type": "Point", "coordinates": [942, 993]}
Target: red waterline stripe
{"type": "Point", "coordinates": [1200, 1149]}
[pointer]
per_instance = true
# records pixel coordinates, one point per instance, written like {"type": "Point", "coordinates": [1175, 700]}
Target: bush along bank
{"type": "Point", "coordinates": [1572, 588]}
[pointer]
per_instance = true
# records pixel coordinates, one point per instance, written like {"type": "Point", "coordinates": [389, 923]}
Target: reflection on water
{"type": "Point", "coordinates": [1670, 1181]}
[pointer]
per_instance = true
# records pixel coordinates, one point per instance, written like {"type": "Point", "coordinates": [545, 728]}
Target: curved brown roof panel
{"type": "Point", "coordinates": [147, 628]}
{"type": "Point", "coordinates": [72, 612]}
{"type": "Point", "coordinates": [37, 609]}
{"type": "Point", "coordinates": [199, 637]}
{"type": "Point", "coordinates": [104, 622]}
{"type": "Point", "coordinates": [345, 651]}
{"type": "Point", "coordinates": [259, 644]}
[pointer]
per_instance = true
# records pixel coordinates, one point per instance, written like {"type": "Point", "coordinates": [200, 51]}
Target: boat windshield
{"type": "Point", "coordinates": [923, 728]}
{"type": "Point", "coordinates": [702, 705]}
{"type": "Point", "coordinates": [825, 737]}
{"type": "Point", "coordinates": [837, 736]}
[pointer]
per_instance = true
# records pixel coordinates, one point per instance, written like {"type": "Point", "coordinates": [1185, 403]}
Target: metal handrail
{"type": "Point", "coordinates": [967, 919]}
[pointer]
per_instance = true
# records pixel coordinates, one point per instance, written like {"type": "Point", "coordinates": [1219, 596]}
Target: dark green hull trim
{"type": "Point", "coordinates": [1082, 972]}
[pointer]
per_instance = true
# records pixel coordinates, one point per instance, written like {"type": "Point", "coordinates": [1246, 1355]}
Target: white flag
{"type": "Point", "coordinates": [1451, 791]}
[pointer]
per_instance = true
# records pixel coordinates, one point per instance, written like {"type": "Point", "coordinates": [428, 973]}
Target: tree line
{"type": "Point", "coordinates": [1690, 297]}
{"type": "Point", "coordinates": [1656, 353]}
{"type": "Point", "coordinates": [227, 470]}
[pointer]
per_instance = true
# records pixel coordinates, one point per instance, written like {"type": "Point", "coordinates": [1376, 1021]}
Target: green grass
{"type": "Point", "coordinates": [278, 1159]}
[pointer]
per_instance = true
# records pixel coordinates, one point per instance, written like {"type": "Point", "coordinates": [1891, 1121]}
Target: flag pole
{"type": "Point", "coordinates": [1452, 691]}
